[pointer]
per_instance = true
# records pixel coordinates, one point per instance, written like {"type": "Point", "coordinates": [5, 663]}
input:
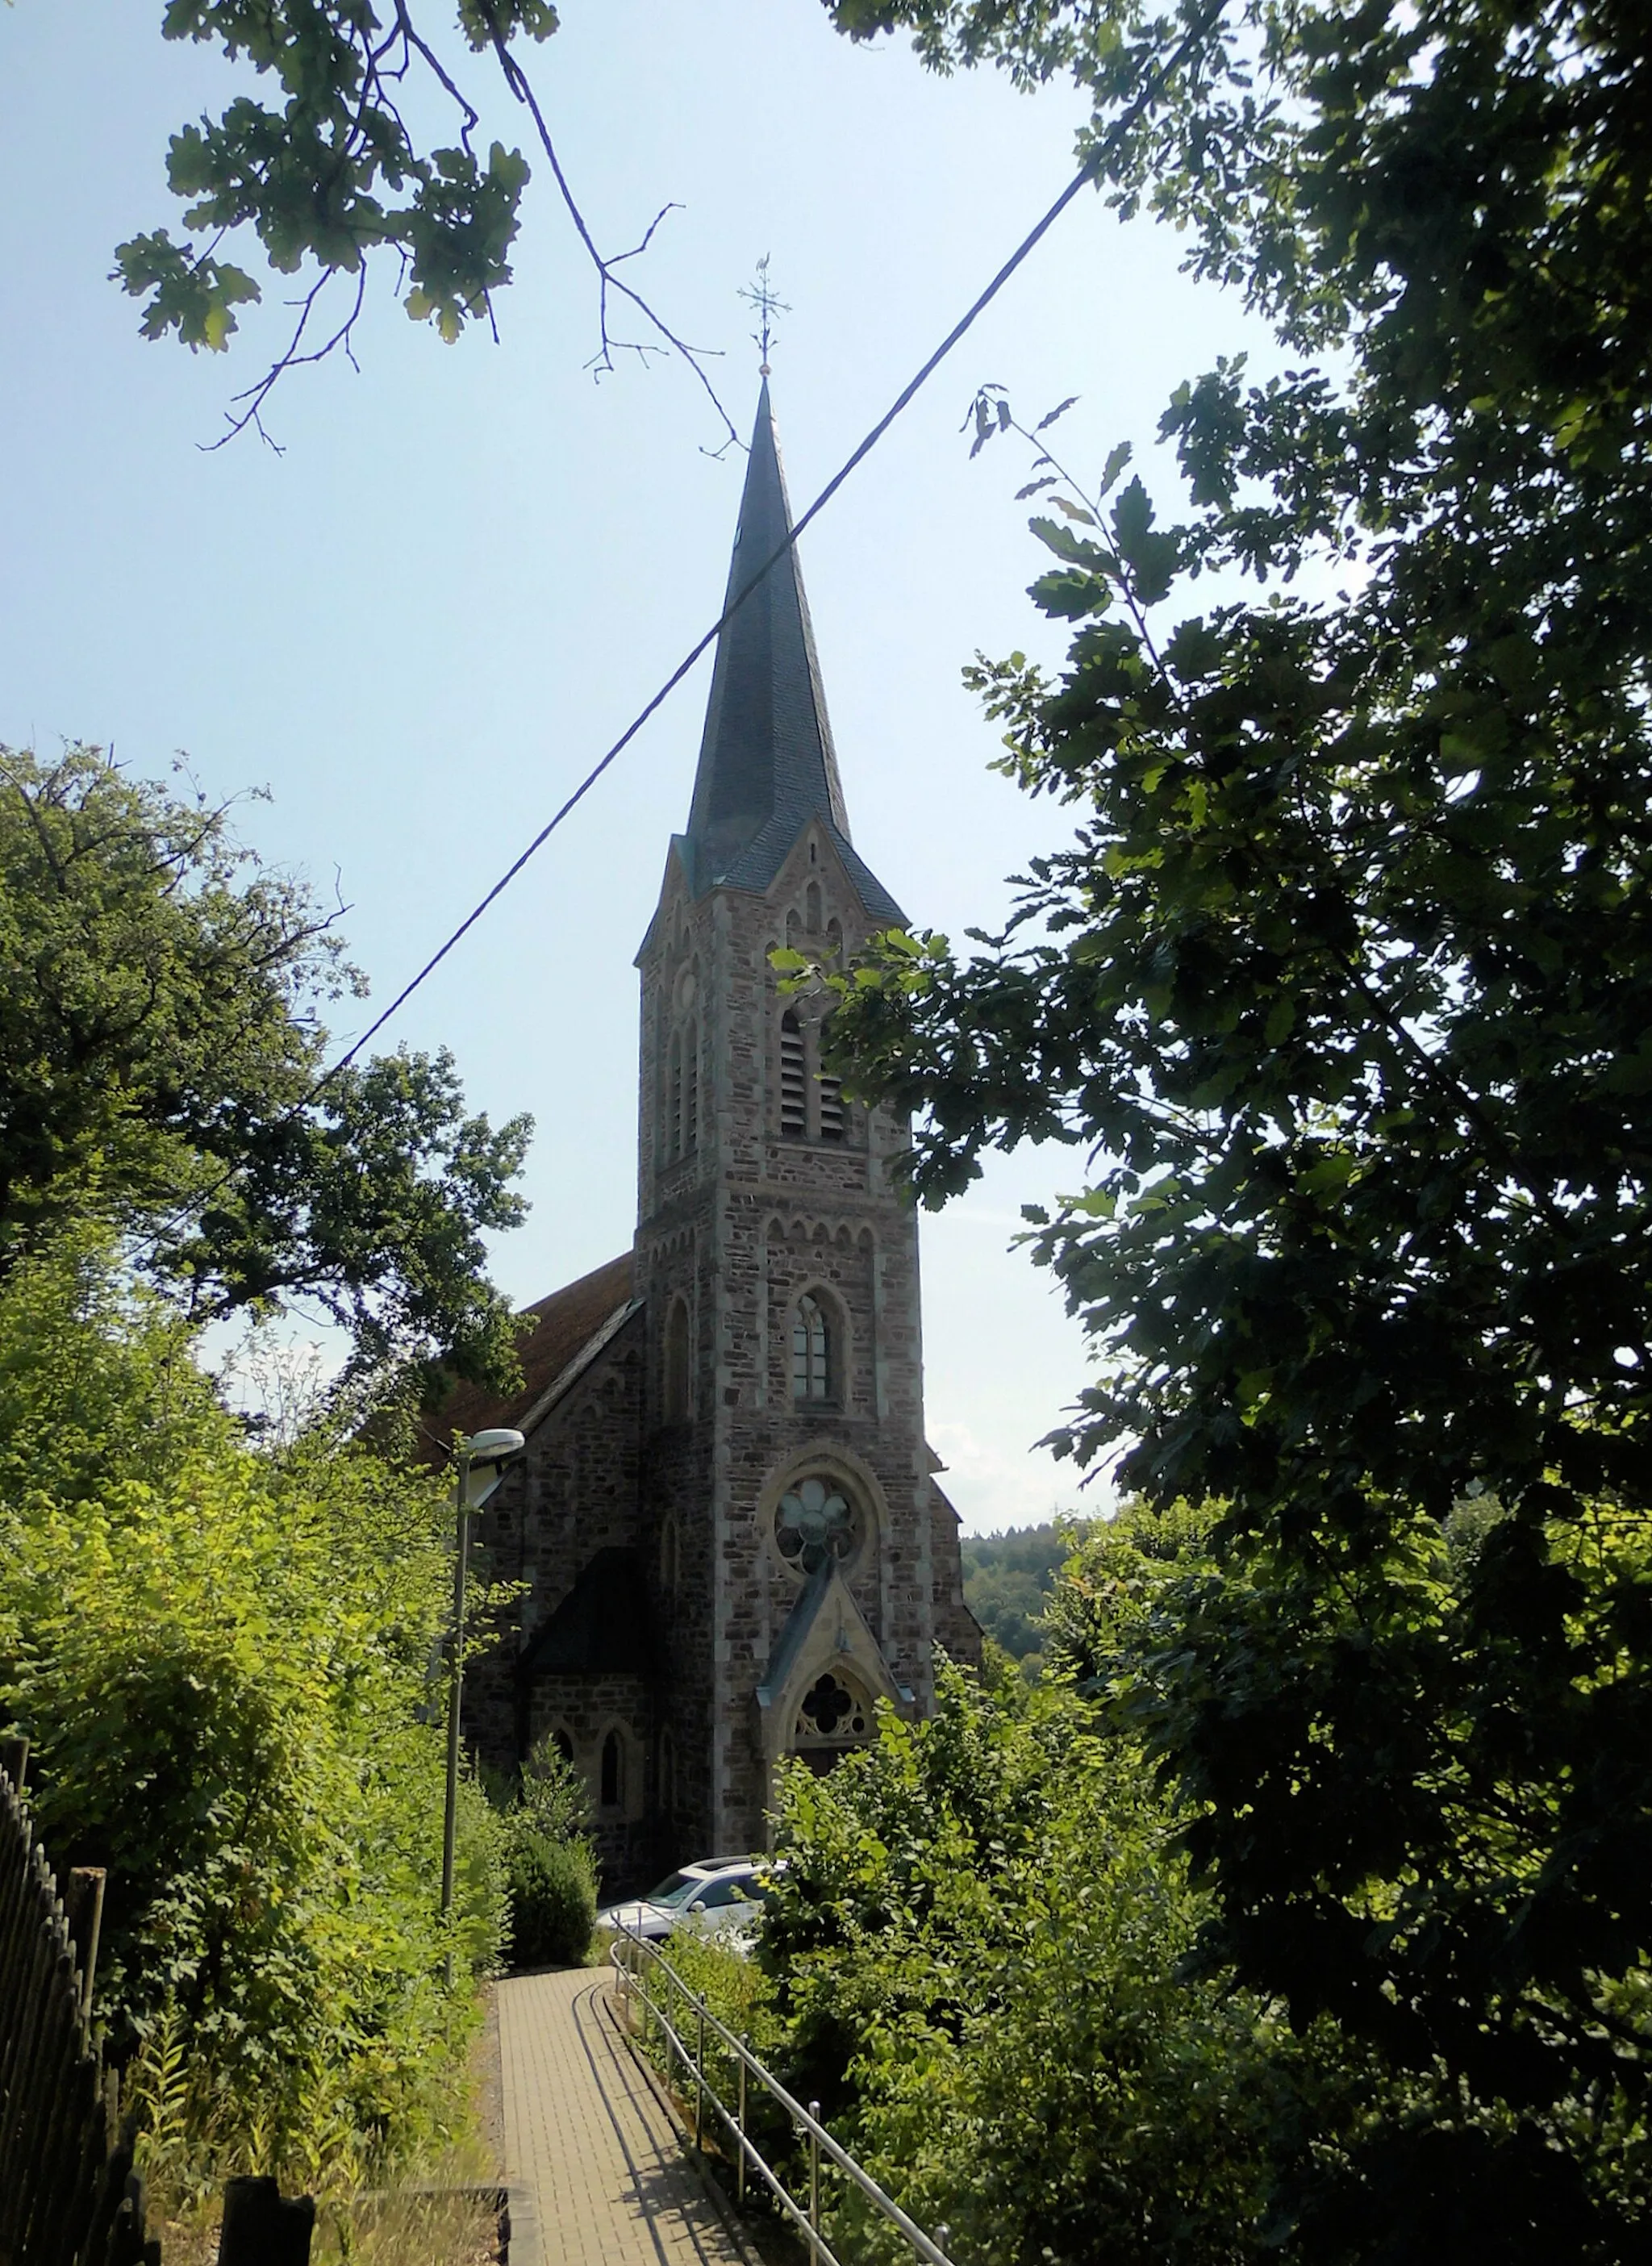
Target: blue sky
{"type": "Point", "coordinates": [418, 625]}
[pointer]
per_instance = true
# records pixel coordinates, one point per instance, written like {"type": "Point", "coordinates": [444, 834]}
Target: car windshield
{"type": "Point", "coordinates": [675, 1888]}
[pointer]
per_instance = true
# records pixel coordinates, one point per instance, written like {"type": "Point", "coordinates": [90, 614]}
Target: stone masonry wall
{"type": "Point", "coordinates": [740, 1227]}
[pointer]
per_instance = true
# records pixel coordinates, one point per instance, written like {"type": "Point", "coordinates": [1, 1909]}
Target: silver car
{"type": "Point", "coordinates": [722, 1893]}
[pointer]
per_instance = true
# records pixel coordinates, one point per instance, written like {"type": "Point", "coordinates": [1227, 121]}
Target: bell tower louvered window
{"type": "Point", "coordinates": [794, 1077]}
{"type": "Point", "coordinates": [831, 1107]}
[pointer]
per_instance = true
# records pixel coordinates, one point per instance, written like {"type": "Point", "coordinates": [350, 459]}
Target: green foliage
{"type": "Point", "coordinates": [332, 172]}
{"type": "Point", "coordinates": [976, 1937]}
{"type": "Point", "coordinates": [551, 1862]}
{"type": "Point", "coordinates": [221, 1660]}
{"type": "Point", "coordinates": [1341, 985]}
{"type": "Point", "coordinates": [158, 1046]}
{"type": "Point", "coordinates": [737, 1990]}
{"type": "Point", "coordinates": [1008, 1580]}
{"type": "Point", "coordinates": [552, 1898]}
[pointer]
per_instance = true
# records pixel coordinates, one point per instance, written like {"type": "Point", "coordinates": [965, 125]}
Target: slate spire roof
{"type": "Point", "coordinates": [767, 763]}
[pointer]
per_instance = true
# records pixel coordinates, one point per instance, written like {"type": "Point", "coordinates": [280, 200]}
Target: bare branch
{"type": "Point", "coordinates": [516, 79]}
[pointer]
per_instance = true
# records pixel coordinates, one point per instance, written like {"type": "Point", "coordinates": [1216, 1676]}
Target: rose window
{"type": "Point", "coordinates": [813, 1524]}
{"type": "Point", "coordinates": [831, 1710]}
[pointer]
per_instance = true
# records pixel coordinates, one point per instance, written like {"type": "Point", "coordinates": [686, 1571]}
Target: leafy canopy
{"type": "Point", "coordinates": [329, 170]}
{"type": "Point", "coordinates": [1340, 984]}
{"type": "Point", "coordinates": [159, 1042]}
{"type": "Point", "coordinates": [976, 1937]}
{"type": "Point", "coordinates": [221, 1659]}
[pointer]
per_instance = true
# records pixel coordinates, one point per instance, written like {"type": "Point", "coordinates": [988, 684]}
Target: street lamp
{"type": "Point", "coordinates": [479, 1460]}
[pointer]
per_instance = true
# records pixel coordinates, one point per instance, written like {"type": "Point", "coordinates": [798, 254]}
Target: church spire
{"type": "Point", "coordinates": [767, 765]}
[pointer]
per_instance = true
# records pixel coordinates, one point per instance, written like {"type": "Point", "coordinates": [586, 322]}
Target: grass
{"type": "Point", "coordinates": [440, 2215]}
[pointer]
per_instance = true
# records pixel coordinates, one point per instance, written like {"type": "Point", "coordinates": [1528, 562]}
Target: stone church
{"type": "Point", "coordinates": [726, 1518]}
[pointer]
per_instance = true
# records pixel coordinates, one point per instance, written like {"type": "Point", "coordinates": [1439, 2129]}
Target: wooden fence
{"type": "Point", "coordinates": [68, 2196]}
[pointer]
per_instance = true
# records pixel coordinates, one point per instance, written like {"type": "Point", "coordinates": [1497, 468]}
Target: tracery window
{"type": "Point", "coordinates": [816, 1522]}
{"type": "Point", "coordinates": [811, 1351]}
{"type": "Point", "coordinates": [833, 1713]}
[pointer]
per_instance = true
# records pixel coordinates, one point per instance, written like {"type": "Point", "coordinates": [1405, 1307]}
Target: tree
{"type": "Point", "coordinates": [161, 1071]}
{"type": "Point", "coordinates": [975, 1935]}
{"type": "Point", "coordinates": [1341, 985]}
{"type": "Point", "coordinates": [333, 176]}
{"type": "Point", "coordinates": [222, 1656]}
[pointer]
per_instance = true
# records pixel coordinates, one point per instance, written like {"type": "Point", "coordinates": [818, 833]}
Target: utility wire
{"type": "Point", "coordinates": [1087, 173]}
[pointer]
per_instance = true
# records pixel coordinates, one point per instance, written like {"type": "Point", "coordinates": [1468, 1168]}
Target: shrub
{"type": "Point", "coordinates": [979, 1940]}
{"type": "Point", "coordinates": [552, 1883]}
{"type": "Point", "coordinates": [221, 1658]}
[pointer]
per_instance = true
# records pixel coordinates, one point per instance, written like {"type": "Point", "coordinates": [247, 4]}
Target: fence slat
{"type": "Point", "coordinates": [68, 2193]}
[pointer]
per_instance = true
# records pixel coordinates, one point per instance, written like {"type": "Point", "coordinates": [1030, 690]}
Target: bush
{"type": "Point", "coordinates": [979, 1941]}
{"type": "Point", "coordinates": [553, 1886]}
{"type": "Point", "coordinates": [221, 1658]}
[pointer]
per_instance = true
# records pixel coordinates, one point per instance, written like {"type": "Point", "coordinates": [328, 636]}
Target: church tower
{"type": "Point", "coordinates": [725, 1520]}
{"type": "Point", "coordinates": [778, 1265]}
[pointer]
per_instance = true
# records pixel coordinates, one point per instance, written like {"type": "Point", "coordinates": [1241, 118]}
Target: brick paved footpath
{"type": "Point", "coordinates": [585, 2131]}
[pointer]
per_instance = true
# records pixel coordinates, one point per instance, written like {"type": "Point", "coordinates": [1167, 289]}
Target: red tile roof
{"type": "Point", "coordinates": [564, 1324]}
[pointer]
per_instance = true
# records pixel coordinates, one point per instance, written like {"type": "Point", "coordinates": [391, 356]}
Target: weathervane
{"type": "Point", "coordinates": [762, 295]}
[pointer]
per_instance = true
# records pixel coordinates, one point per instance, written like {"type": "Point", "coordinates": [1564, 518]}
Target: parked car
{"type": "Point", "coordinates": [721, 1893]}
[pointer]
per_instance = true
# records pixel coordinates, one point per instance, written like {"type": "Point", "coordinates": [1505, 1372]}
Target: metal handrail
{"type": "Point", "coordinates": [629, 1971]}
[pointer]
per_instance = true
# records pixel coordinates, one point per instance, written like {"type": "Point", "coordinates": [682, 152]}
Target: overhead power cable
{"type": "Point", "coordinates": [701, 646]}
{"type": "Point", "coordinates": [1088, 172]}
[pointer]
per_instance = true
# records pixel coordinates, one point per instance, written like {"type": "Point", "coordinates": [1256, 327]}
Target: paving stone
{"type": "Point", "coordinates": [585, 2132]}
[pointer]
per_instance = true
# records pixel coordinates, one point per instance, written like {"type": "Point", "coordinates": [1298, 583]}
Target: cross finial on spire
{"type": "Point", "coordinates": [762, 295]}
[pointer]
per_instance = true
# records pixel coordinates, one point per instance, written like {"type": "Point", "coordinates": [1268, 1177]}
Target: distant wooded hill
{"type": "Point", "coordinates": [1007, 1579]}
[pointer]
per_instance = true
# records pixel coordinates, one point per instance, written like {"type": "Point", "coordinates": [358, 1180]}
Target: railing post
{"type": "Point", "coordinates": [814, 2179]}
{"type": "Point", "coordinates": [740, 2176]}
{"type": "Point", "coordinates": [14, 1761]}
{"type": "Point", "coordinates": [699, 2081]}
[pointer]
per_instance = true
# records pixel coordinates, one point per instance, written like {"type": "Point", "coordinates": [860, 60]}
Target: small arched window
{"type": "Point", "coordinates": [677, 1362]}
{"type": "Point", "coordinates": [691, 1086]}
{"type": "Point", "coordinates": [811, 1352]}
{"type": "Point", "coordinates": [669, 1557]}
{"type": "Point", "coordinates": [612, 1792]}
{"type": "Point", "coordinates": [564, 1746]}
{"type": "Point", "coordinates": [812, 908]}
{"type": "Point", "coordinates": [674, 1104]}
{"type": "Point", "coordinates": [794, 1076]}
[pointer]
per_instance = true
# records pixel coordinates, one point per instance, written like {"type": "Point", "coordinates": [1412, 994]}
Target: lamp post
{"type": "Point", "coordinates": [478, 1461]}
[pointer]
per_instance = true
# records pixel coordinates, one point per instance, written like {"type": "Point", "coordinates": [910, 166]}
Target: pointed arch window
{"type": "Point", "coordinates": [794, 1076]}
{"type": "Point", "coordinates": [675, 1381]}
{"type": "Point", "coordinates": [674, 1109]}
{"type": "Point", "coordinates": [691, 1086]}
{"type": "Point", "coordinates": [811, 1351]}
{"type": "Point", "coordinates": [611, 1793]}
